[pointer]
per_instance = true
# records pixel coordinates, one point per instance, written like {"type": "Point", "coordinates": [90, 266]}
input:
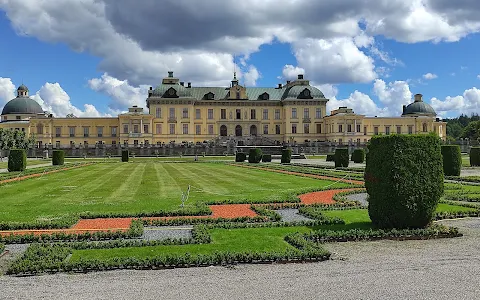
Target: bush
{"type": "Point", "coordinates": [58, 158]}
{"type": "Point", "coordinates": [286, 156]}
{"type": "Point", "coordinates": [255, 155]}
{"type": "Point", "coordinates": [240, 157]}
{"type": "Point", "coordinates": [267, 158]}
{"type": "Point", "coordinates": [358, 156]}
{"type": "Point", "coordinates": [125, 155]}
{"type": "Point", "coordinates": [404, 180]}
{"type": "Point", "coordinates": [341, 158]}
{"type": "Point", "coordinates": [330, 157]}
{"type": "Point", "coordinates": [475, 156]}
{"type": "Point", "coordinates": [452, 160]}
{"type": "Point", "coordinates": [17, 160]}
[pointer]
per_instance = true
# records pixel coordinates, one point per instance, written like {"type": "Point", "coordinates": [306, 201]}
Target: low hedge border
{"type": "Point", "coordinates": [183, 221]}
{"type": "Point", "coordinates": [334, 173]}
{"type": "Point", "coordinates": [199, 211]}
{"type": "Point", "coordinates": [467, 197]}
{"type": "Point", "coordinates": [262, 211]}
{"type": "Point", "coordinates": [336, 206]}
{"type": "Point", "coordinates": [316, 214]}
{"type": "Point", "coordinates": [233, 225]}
{"type": "Point", "coordinates": [475, 179]}
{"type": "Point", "coordinates": [340, 197]}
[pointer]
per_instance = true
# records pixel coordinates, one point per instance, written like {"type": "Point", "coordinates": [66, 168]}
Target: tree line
{"type": "Point", "coordinates": [463, 127]}
{"type": "Point", "coordinates": [15, 139]}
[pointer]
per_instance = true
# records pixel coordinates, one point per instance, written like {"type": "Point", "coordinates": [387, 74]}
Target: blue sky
{"type": "Point", "coordinates": [48, 55]}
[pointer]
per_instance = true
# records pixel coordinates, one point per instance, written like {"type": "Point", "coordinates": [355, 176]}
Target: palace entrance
{"type": "Point", "coordinates": [238, 130]}
{"type": "Point", "coordinates": [253, 130]}
{"type": "Point", "coordinates": [223, 130]}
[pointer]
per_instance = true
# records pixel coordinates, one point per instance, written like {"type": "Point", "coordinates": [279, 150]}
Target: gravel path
{"type": "Point", "coordinates": [164, 232]}
{"type": "Point", "coordinates": [360, 197]}
{"type": "Point", "coordinates": [291, 215]}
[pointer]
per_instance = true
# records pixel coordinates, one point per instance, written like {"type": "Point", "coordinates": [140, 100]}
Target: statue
{"type": "Point", "coordinates": [231, 116]}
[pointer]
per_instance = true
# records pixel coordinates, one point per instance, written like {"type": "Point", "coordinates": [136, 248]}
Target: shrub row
{"type": "Point", "coordinates": [203, 210]}
{"type": "Point", "coordinates": [53, 224]}
{"type": "Point", "coordinates": [235, 225]}
{"type": "Point", "coordinates": [316, 214]}
{"type": "Point", "coordinates": [475, 156]}
{"type": "Point", "coordinates": [183, 221]}
{"type": "Point", "coordinates": [262, 211]}
{"type": "Point", "coordinates": [58, 157]}
{"type": "Point", "coordinates": [341, 158]}
{"type": "Point", "coordinates": [463, 179]}
{"type": "Point", "coordinates": [240, 157]}
{"type": "Point", "coordinates": [350, 169]}
{"type": "Point", "coordinates": [358, 155]}
{"type": "Point", "coordinates": [315, 171]}
{"type": "Point", "coordinates": [452, 160]}
{"type": "Point", "coordinates": [289, 198]}
{"type": "Point", "coordinates": [330, 157]}
{"type": "Point", "coordinates": [286, 156]}
{"type": "Point", "coordinates": [17, 160]}
{"type": "Point", "coordinates": [125, 155]}
{"type": "Point", "coordinates": [255, 155]}
{"type": "Point", "coordinates": [335, 206]}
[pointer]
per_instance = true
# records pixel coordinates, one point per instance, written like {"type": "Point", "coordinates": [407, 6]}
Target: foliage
{"type": "Point", "coordinates": [358, 155]}
{"type": "Point", "coordinates": [341, 158]}
{"type": "Point", "coordinates": [475, 156]}
{"type": "Point", "coordinates": [452, 160]}
{"type": "Point", "coordinates": [266, 158]}
{"type": "Point", "coordinates": [17, 160]}
{"type": "Point", "coordinates": [58, 157]}
{"type": "Point", "coordinates": [456, 126]}
{"type": "Point", "coordinates": [10, 139]}
{"type": "Point", "coordinates": [404, 180]}
{"type": "Point", "coordinates": [2, 248]}
{"type": "Point", "coordinates": [330, 157]}
{"type": "Point", "coordinates": [286, 156]}
{"type": "Point", "coordinates": [316, 214]}
{"type": "Point", "coordinates": [240, 157]}
{"type": "Point", "coordinates": [255, 155]}
{"type": "Point", "coordinates": [472, 130]}
{"type": "Point", "coordinates": [125, 155]}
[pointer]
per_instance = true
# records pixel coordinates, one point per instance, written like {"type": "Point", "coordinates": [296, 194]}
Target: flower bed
{"type": "Point", "coordinates": [323, 197]}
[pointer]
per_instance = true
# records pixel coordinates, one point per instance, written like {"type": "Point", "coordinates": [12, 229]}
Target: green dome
{"type": "Point", "coordinates": [180, 90]}
{"type": "Point", "coordinates": [294, 91]}
{"type": "Point", "coordinates": [418, 108]}
{"type": "Point", "coordinates": [22, 105]}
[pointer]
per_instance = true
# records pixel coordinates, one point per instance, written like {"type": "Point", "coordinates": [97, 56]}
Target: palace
{"type": "Point", "coordinates": [294, 112]}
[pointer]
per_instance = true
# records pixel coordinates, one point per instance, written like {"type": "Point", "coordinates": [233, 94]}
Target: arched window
{"type": "Point", "coordinates": [238, 94]}
{"type": "Point", "coordinates": [424, 127]}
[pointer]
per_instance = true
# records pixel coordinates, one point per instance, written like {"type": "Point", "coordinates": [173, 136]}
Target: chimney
{"type": "Point", "coordinates": [279, 85]}
{"type": "Point", "coordinates": [170, 73]}
{"type": "Point", "coordinates": [182, 83]}
{"type": "Point", "coordinates": [418, 97]}
{"type": "Point", "coordinates": [300, 76]}
{"type": "Point", "coordinates": [189, 85]}
{"type": "Point", "coordinates": [404, 109]}
{"type": "Point", "coordinates": [151, 88]}
{"type": "Point", "coordinates": [288, 81]}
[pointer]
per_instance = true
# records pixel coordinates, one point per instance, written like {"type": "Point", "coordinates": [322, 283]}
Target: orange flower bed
{"type": "Point", "coordinates": [103, 223]}
{"type": "Point", "coordinates": [323, 197]}
{"type": "Point", "coordinates": [52, 231]}
{"type": "Point", "coordinates": [39, 174]}
{"type": "Point", "coordinates": [226, 211]}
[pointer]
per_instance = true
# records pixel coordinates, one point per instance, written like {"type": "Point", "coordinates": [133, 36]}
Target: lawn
{"type": "Point", "coordinates": [30, 162]}
{"type": "Point", "coordinates": [223, 240]}
{"type": "Point", "coordinates": [137, 187]}
{"type": "Point", "coordinates": [158, 159]}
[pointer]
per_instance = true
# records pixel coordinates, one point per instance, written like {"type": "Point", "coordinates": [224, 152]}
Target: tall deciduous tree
{"type": "Point", "coordinates": [10, 139]}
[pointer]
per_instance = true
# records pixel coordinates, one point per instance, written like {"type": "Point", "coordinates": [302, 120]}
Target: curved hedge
{"type": "Point", "coordinates": [255, 155]}
{"type": "Point", "coordinates": [17, 160]}
{"type": "Point", "coordinates": [125, 155]}
{"type": "Point", "coordinates": [266, 158]}
{"type": "Point", "coordinates": [341, 158]}
{"type": "Point", "coordinates": [475, 156]}
{"type": "Point", "coordinates": [58, 157]}
{"type": "Point", "coordinates": [240, 157]}
{"type": "Point", "coordinates": [404, 180]}
{"type": "Point", "coordinates": [286, 156]}
{"type": "Point", "coordinates": [452, 160]}
{"type": "Point", "coordinates": [358, 156]}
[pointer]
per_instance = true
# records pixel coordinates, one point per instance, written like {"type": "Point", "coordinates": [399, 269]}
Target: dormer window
{"type": "Point", "coordinates": [305, 94]}
{"type": "Point", "coordinates": [171, 93]}
{"type": "Point", "coordinates": [209, 96]}
{"type": "Point", "coordinates": [265, 96]}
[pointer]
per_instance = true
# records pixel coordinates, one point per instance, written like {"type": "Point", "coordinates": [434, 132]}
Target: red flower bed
{"type": "Point", "coordinates": [323, 197]}
{"type": "Point", "coordinates": [103, 223]}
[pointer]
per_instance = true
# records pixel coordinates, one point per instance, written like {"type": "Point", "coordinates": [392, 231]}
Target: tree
{"type": "Point", "coordinates": [472, 130]}
{"type": "Point", "coordinates": [454, 130]}
{"type": "Point", "coordinates": [10, 139]}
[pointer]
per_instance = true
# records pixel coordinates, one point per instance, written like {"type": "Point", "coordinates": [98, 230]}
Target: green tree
{"type": "Point", "coordinates": [472, 130]}
{"type": "Point", "coordinates": [454, 130]}
{"type": "Point", "coordinates": [10, 139]}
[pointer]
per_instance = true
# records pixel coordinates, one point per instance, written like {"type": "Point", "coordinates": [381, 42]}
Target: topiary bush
{"type": "Point", "coordinates": [125, 155]}
{"type": "Point", "coordinates": [341, 158]}
{"type": "Point", "coordinates": [358, 156]}
{"type": "Point", "coordinates": [255, 155]}
{"type": "Point", "coordinates": [58, 157]}
{"type": "Point", "coordinates": [266, 157]}
{"type": "Point", "coordinates": [17, 160]}
{"type": "Point", "coordinates": [286, 156]}
{"type": "Point", "coordinates": [475, 156]}
{"type": "Point", "coordinates": [240, 157]}
{"type": "Point", "coordinates": [404, 180]}
{"type": "Point", "coordinates": [330, 157]}
{"type": "Point", "coordinates": [452, 160]}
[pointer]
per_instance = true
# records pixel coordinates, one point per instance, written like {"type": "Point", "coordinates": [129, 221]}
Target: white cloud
{"type": "Point", "coordinates": [7, 90]}
{"type": "Point", "coordinates": [359, 102]}
{"type": "Point", "coordinates": [429, 76]}
{"type": "Point", "coordinates": [290, 72]}
{"type": "Point", "coordinates": [478, 76]}
{"type": "Point", "coordinates": [392, 95]}
{"type": "Point", "coordinates": [251, 76]}
{"type": "Point", "coordinates": [467, 103]}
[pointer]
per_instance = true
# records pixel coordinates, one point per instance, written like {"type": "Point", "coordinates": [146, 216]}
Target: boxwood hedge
{"type": "Point", "coordinates": [475, 156]}
{"type": "Point", "coordinates": [341, 157]}
{"type": "Point", "coordinates": [240, 157]}
{"type": "Point", "coordinates": [255, 155]}
{"type": "Point", "coordinates": [125, 155]}
{"type": "Point", "coordinates": [286, 156]}
{"type": "Point", "coordinates": [58, 158]}
{"type": "Point", "coordinates": [17, 160]}
{"type": "Point", "coordinates": [452, 160]}
{"type": "Point", "coordinates": [330, 157]}
{"type": "Point", "coordinates": [404, 180]}
{"type": "Point", "coordinates": [266, 158]}
{"type": "Point", "coordinates": [358, 156]}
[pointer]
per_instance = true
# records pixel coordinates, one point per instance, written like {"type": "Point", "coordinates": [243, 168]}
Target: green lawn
{"type": "Point", "coordinates": [223, 240]}
{"type": "Point", "coordinates": [465, 160]}
{"type": "Point", "coordinates": [30, 162]}
{"type": "Point", "coordinates": [157, 159]}
{"type": "Point", "coordinates": [136, 187]}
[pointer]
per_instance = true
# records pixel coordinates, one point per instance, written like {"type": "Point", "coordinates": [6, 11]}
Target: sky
{"type": "Point", "coordinates": [98, 57]}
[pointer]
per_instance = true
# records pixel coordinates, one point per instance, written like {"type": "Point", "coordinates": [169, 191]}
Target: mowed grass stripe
{"type": "Point", "coordinates": [126, 186]}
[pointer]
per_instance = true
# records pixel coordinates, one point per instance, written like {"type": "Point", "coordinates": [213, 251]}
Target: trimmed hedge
{"type": "Point", "coordinates": [2, 248]}
{"type": "Point", "coordinates": [255, 155]}
{"type": "Point", "coordinates": [286, 156]}
{"type": "Point", "coordinates": [240, 157]}
{"type": "Point", "coordinates": [330, 157]}
{"type": "Point", "coordinates": [341, 158]}
{"type": "Point", "coordinates": [358, 156]}
{"type": "Point", "coordinates": [125, 155]}
{"type": "Point", "coordinates": [475, 156]}
{"type": "Point", "coordinates": [404, 180]}
{"type": "Point", "coordinates": [266, 157]}
{"type": "Point", "coordinates": [452, 160]}
{"type": "Point", "coordinates": [17, 160]}
{"type": "Point", "coordinates": [58, 157]}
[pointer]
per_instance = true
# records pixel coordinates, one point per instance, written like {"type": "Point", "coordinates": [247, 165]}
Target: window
{"type": "Point", "coordinates": [185, 113]}
{"type": "Point", "coordinates": [265, 129]}
{"type": "Point", "coordinates": [100, 131]}
{"type": "Point", "coordinates": [86, 131]}
{"type": "Point", "coordinates": [358, 127]}
{"type": "Point", "coordinates": [306, 128]}
{"type": "Point", "coordinates": [172, 128]}
{"type": "Point", "coordinates": [277, 129]}
{"type": "Point", "coordinates": [253, 114]}
{"type": "Point", "coordinates": [265, 114]}
{"type": "Point", "coordinates": [58, 131]}
{"type": "Point", "coordinates": [114, 131]}
{"type": "Point", "coordinates": [349, 128]}
{"type": "Point", "coordinates": [57, 144]}
{"type": "Point", "coordinates": [358, 141]}
{"type": "Point", "coordinates": [410, 129]}
{"type": "Point", "coordinates": [318, 113]}
{"type": "Point", "coordinates": [238, 95]}
{"type": "Point", "coordinates": [135, 142]}
{"type": "Point", "coordinates": [340, 141]}
{"type": "Point", "coordinates": [294, 128]}
{"type": "Point", "coordinates": [158, 128]}
{"type": "Point", "coordinates": [375, 130]}
{"type": "Point", "coordinates": [198, 129]}
{"type": "Point", "coordinates": [210, 129]}
{"type": "Point", "coordinates": [210, 113]}
{"type": "Point", "coordinates": [171, 113]}
{"type": "Point", "coordinates": [399, 129]}
{"type": "Point", "coordinates": [39, 129]}
{"type": "Point", "coordinates": [387, 130]}
{"type": "Point", "coordinates": [319, 128]}
{"type": "Point", "coordinates": [18, 117]}
{"type": "Point", "coordinates": [71, 131]}
{"type": "Point", "coordinates": [158, 112]}
{"type": "Point", "coordinates": [306, 113]}
{"type": "Point", "coordinates": [135, 128]}
{"type": "Point", "coordinates": [125, 128]}
{"type": "Point", "coordinates": [294, 113]}
{"type": "Point", "coordinates": [145, 128]}
{"type": "Point", "coordinates": [185, 128]}
{"type": "Point", "coordinates": [364, 130]}
{"type": "Point", "coordinates": [238, 114]}
{"type": "Point", "coordinates": [340, 128]}
{"type": "Point", "coordinates": [223, 114]}
{"type": "Point", "coordinates": [425, 127]}
{"type": "Point", "coordinates": [277, 114]}
{"type": "Point", "coordinates": [198, 114]}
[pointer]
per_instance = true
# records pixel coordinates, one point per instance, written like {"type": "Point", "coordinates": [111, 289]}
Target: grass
{"type": "Point", "coordinates": [137, 187]}
{"type": "Point", "coordinates": [30, 162]}
{"type": "Point", "coordinates": [157, 159]}
{"type": "Point", "coordinates": [465, 160]}
{"type": "Point", "coordinates": [223, 240]}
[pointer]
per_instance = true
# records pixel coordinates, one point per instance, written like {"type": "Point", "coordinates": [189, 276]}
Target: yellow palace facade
{"type": "Point", "coordinates": [176, 112]}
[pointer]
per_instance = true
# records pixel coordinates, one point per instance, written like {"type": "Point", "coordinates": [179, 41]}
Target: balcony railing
{"type": "Point", "coordinates": [134, 135]}
{"type": "Point", "coordinates": [172, 120]}
{"type": "Point", "coordinates": [306, 120]}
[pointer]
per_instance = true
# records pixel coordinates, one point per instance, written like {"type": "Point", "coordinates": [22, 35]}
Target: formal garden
{"type": "Point", "coordinates": [128, 213]}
